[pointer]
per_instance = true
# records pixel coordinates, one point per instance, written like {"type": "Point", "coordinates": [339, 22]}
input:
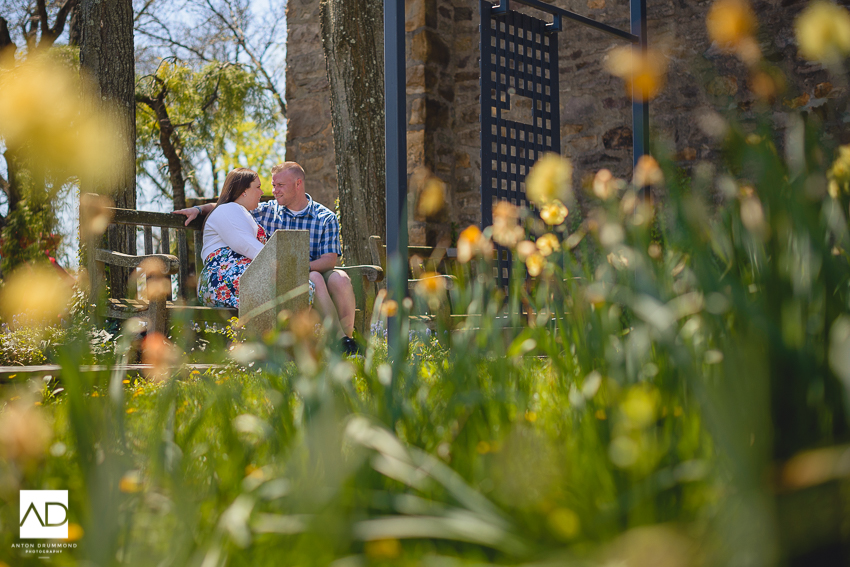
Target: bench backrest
{"type": "Point", "coordinates": [168, 224]}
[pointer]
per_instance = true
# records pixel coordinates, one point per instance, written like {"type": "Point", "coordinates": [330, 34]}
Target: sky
{"type": "Point", "coordinates": [185, 21]}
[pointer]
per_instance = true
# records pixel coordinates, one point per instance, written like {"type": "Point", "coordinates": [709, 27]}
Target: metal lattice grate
{"type": "Point", "coordinates": [520, 109]}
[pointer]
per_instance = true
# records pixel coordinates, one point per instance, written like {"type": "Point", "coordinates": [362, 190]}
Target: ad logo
{"type": "Point", "coordinates": [44, 514]}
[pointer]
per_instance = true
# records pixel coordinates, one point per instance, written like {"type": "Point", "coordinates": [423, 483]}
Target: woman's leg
{"type": "Point", "coordinates": [323, 302]}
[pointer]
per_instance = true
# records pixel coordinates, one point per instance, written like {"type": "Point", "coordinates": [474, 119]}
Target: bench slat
{"type": "Point", "coordinates": [199, 245]}
{"type": "Point", "coordinates": [148, 240]}
{"type": "Point", "coordinates": [128, 261]}
{"type": "Point", "coordinates": [183, 277]}
{"type": "Point", "coordinates": [165, 244]}
{"type": "Point", "coordinates": [126, 308]}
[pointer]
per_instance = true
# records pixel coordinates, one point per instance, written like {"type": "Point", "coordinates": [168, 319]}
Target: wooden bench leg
{"type": "Point", "coordinates": [157, 316]}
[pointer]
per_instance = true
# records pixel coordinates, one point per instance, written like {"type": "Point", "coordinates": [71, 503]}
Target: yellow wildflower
{"type": "Point", "coordinates": [564, 523]}
{"type": "Point", "coordinates": [75, 532]}
{"type": "Point", "coordinates": [131, 482]}
{"type": "Point", "coordinates": [382, 548]}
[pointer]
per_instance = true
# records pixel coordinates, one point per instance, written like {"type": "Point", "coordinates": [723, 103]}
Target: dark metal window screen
{"type": "Point", "coordinates": [520, 109]}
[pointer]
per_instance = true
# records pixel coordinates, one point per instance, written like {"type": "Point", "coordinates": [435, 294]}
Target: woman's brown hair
{"type": "Point", "coordinates": [237, 181]}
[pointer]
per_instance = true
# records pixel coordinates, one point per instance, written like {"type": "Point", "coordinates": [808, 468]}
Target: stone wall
{"type": "Point", "coordinates": [443, 104]}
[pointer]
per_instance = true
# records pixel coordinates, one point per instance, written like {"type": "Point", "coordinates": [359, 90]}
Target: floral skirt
{"type": "Point", "coordinates": [218, 285]}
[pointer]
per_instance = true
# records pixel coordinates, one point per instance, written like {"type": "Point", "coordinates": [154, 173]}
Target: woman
{"type": "Point", "coordinates": [232, 238]}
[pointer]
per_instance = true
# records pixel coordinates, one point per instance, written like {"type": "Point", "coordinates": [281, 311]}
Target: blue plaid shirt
{"type": "Point", "coordinates": [318, 219]}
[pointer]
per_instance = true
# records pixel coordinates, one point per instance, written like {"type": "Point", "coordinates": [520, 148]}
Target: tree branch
{"type": "Point", "coordinates": [5, 36]}
{"type": "Point", "coordinates": [239, 35]}
{"type": "Point", "coordinates": [151, 35]}
{"type": "Point", "coordinates": [144, 9]}
{"type": "Point", "coordinates": [41, 11]}
{"type": "Point", "coordinates": [61, 17]}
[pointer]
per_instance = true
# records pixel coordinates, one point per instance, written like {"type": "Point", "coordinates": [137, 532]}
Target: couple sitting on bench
{"type": "Point", "coordinates": [238, 225]}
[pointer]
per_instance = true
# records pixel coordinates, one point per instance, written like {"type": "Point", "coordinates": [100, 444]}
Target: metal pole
{"type": "Point", "coordinates": [395, 97]}
{"type": "Point", "coordinates": [640, 109]}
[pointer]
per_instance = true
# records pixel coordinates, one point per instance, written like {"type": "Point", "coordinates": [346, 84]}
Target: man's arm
{"type": "Point", "coordinates": [324, 263]}
{"type": "Point", "coordinates": [192, 212]}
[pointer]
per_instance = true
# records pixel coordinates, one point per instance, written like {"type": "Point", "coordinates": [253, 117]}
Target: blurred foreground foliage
{"type": "Point", "coordinates": [675, 394]}
{"type": "Point", "coordinates": [665, 383]}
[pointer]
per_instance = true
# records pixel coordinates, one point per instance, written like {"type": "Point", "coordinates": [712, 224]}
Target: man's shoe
{"type": "Point", "coordinates": [350, 346]}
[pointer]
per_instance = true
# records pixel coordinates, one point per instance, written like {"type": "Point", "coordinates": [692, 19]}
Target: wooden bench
{"type": "Point", "coordinates": [162, 234]}
{"type": "Point", "coordinates": [421, 259]}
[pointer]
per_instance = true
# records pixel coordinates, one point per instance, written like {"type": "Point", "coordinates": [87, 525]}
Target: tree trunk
{"type": "Point", "coordinates": [352, 38]}
{"type": "Point", "coordinates": [106, 52]}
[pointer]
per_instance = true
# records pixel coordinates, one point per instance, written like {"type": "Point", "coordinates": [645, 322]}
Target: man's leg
{"type": "Point", "coordinates": [342, 293]}
{"type": "Point", "coordinates": [323, 303]}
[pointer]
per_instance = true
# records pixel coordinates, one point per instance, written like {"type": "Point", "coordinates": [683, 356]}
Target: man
{"type": "Point", "coordinates": [294, 209]}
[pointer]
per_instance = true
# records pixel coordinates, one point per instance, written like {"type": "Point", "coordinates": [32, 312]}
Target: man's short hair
{"type": "Point", "coordinates": [290, 165]}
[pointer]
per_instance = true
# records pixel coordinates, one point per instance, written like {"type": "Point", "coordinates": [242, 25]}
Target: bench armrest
{"type": "Point", "coordinates": [371, 273]}
{"type": "Point", "coordinates": [172, 264]}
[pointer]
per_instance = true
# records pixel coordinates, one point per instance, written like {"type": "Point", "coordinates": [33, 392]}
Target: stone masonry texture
{"type": "Point", "coordinates": [443, 94]}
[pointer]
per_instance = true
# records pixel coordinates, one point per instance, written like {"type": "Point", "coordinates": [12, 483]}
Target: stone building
{"type": "Point", "coordinates": [443, 89]}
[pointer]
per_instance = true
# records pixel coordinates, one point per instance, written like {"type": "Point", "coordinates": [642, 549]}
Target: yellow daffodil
{"type": "Point", "coordinates": [432, 198]}
{"type": "Point", "coordinates": [35, 296]}
{"type": "Point", "coordinates": [535, 264]}
{"type": "Point", "coordinates": [647, 172]}
{"type": "Point", "coordinates": [161, 354]}
{"type": "Point", "coordinates": [554, 213]}
{"type": "Point", "coordinates": [506, 229]}
{"type": "Point", "coordinates": [839, 173]}
{"type": "Point", "coordinates": [430, 285]}
{"type": "Point", "coordinates": [550, 179]}
{"type": "Point", "coordinates": [823, 32]}
{"type": "Point", "coordinates": [643, 71]}
{"type": "Point", "coordinates": [603, 184]}
{"type": "Point", "coordinates": [471, 243]}
{"type": "Point", "coordinates": [731, 25]}
{"type": "Point", "coordinates": [548, 243]}
{"type": "Point", "coordinates": [525, 249]}
{"type": "Point", "coordinates": [389, 308]}
{"type": "Point", "coordinates": [24, 433]}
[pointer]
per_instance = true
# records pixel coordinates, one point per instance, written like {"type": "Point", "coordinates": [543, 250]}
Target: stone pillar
{"type": "Point", "coordinates": [281, 267]}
